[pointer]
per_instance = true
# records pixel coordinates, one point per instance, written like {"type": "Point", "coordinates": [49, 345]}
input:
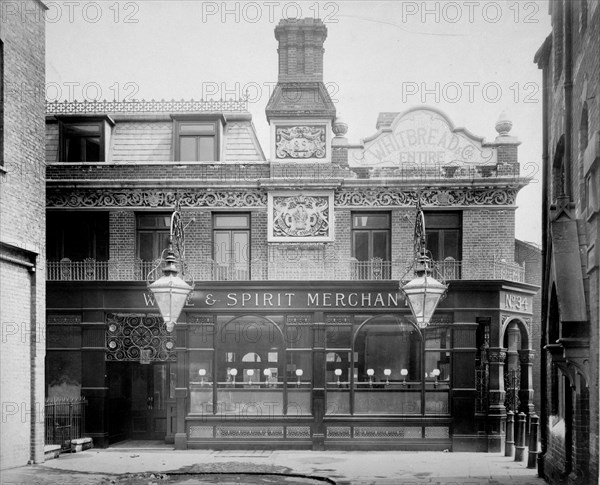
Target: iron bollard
{"type": "Point", "coordinates": [533, 442]}
{"type": "Point", "coordinates": [520, 438]}
{"type": "Point", "coordinates": [510, 434]}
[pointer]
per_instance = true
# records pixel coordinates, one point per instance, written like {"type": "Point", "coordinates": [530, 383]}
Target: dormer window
{"type": "Point", "coordinates": [196, 140]}
{"type": "Point", "coordinates": [83, 139]}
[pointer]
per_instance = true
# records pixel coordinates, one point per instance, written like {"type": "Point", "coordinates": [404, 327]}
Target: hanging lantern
{"type": "Point", "coordinates": [423, 292]}
{"type": "Point", "coordinates": [170, 291]}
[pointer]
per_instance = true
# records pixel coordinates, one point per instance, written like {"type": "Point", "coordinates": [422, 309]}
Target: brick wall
{"type": "Point", "coordinates": [585, 74]}
{"type": "Point", "coordinates": [22, 239]}
{"type": "Point", "coordinates": [487, 234]}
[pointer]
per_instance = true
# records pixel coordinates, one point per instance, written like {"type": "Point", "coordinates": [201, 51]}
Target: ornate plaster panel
{"type": "Point", "coordinates": [82, 198]}
{"type": "Point", "coordinates": [300, 216]}
{"type": "Point", "coordinates": [300, 142]}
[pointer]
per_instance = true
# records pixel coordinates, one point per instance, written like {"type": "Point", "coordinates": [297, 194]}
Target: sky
{"type": "Point", "coordinates": [471, 59]}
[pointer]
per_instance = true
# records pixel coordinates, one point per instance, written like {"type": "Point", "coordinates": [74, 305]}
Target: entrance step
{"type": "Point", "coordinates": [51, 452]}
{"type": "Point", "coordinates": [81, 444]}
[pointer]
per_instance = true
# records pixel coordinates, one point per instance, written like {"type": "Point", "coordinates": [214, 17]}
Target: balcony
{"type": "Point", "coordinates": [347, 269]}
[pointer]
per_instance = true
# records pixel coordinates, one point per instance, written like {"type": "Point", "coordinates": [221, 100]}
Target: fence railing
{"type": "Point", "coordinates": [64, 419]}
{"type": "Point", "coordinates": [346, 269]}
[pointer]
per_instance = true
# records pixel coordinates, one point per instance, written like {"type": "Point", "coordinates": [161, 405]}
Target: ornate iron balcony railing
{"type": "Point", "coordinates": [347, 269]}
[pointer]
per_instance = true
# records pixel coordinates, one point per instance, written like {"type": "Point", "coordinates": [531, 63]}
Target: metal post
{"type": "Point", "coordinates": [509, 448]}
{"type": "Point", "coordinates": [520, 438]}
{"type": "Point", "coordinates": [533, 442]}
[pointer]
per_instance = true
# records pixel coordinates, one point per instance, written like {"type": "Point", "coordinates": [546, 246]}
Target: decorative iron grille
{"type": "Point", "coordinates": [482, 374]}
{"type": "Point", "coordinates": [512, 384]}
{"type": "Point", "coordinates": [138, 337]}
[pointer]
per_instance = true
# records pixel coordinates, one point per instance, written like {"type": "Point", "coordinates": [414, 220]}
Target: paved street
{"type": "Point", "coordinates": [161, 465]}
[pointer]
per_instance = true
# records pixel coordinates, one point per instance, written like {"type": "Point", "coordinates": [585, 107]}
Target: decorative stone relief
{"type": "Point", "coordinates": [300, 217]}
{"type": "Point", "coordinates": [397, 197]}
{"type": "Point", "coordinates": [300, 142]}
{"type": "Point", "coordinates": [153, 198]}
{"type": "Point", "coordinates": [496, 356]}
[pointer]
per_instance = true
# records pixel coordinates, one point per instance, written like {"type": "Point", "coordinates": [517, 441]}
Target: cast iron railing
{"type": "Point", "coordinates": [65, 420]}
{"type": "Point", "coordinates": [301, 269]}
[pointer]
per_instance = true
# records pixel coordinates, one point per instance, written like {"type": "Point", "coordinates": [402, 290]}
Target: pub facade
{"type": "Point", "coordinates": [296, 334]}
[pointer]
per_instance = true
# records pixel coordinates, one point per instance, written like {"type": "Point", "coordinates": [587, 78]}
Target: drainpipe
{"type": "Point", "coordinates": [546, 177]}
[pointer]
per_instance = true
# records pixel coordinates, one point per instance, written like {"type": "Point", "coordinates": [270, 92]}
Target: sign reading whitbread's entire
{"type": "Point", "coordinates": [421, 137]}
{"type": "Point", "coordinates": [292, 299]}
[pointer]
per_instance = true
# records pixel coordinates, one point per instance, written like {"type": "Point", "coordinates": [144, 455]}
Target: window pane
{"type": "Point", "coordinates": [73, 150]}
{"type": "Point", "coordinates": [374, 221]}
{"type": "Point", "coordinates": [241, 249]}
{"type": "Point", "coordinates": [187, 149]}
{"type": "Point", "coordinates": [452, 244]}
{"type": "Point", "coordinates": [433, 244]}
{"type": "Point", "coordinates": [207, 149]}
{"type": "Point", "coordinates": [361, 245]}
{"type": "Point", "coordinates": [442, 220]}
{"type": "Point", "coordinates": [146, 246]}
{"type": "Point", "coordinates": [232, 221]}
{"type": "Point", "coordinates": [83, 129]}
{"type": "Point", "coordinates": [201, 381]}
{"type": "Point", "coordinates": [92, 149]}
{"type": "Point", "coordinates": [339, 336]}
{"type": "Point", "coordinates": [197, 128]}
{"type": "Point", "coordinates": [222, 247]}
{"type": "Point", "coordinates": [299, 382]}
{"type": "Point", "coordinates": [381, 245]}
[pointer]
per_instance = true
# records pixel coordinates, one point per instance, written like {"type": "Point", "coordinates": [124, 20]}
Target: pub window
{"type": "Point", "coordinates": [251, 367]}
{"type": "Point", "coordinates": [231, 246]}
{"type": "Point", "coordinates": [196, 141]}
{"type": "Point", "coordinates": [82, 140]}
{"type": "Point", "coordinates": [371, 244]}
{"type": "Point", "coordinates": [399, 370]}
{"type": "Point", "coordinates": [152, 234]}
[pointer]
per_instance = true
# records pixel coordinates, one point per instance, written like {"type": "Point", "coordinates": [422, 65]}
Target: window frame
{"type": "Point", "coordinates": [65, 122]}
{"type": "Point", "coordinates": [155, 230]}
{"type": "Point", "coordinates": [440, 229]}
{"type": "Point", "coordinates": [216, 121]}
{"type": "Point", "coordinates": [371, 231]}
{"type": "Point", "coordinates": [231, 230]}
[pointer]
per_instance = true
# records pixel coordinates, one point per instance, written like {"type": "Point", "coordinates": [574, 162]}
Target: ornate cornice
{"type": "Point", "coordinates": [384, 197]}
{"type": "Point", "coordinates": [70, 198]}
{"type": "Point", "coordinates": [136, 198]}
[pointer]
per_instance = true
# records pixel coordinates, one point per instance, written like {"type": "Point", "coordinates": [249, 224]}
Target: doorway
{"type": "Point", "coordinates": [137, 400]}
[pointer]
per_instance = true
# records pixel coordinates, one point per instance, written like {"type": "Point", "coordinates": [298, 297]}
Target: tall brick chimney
{"type": "Point", "coordinates": [300, 110]}
{"type": "Point", "coordinates": [301, 49]}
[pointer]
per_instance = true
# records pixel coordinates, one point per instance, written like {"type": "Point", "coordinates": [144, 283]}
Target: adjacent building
{"type": "Point", "coordinates": [22, 234]}
{"type": "Point", "coordinates": [570, 296]}
{"type": "Point", "coordinates": [296, 335]}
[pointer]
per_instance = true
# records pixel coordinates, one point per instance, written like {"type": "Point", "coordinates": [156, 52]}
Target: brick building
{"type": "Point", "coordinates": [22, 235]}
{"type": "Point", "coordinates": [296, 334]}
{"type": "Point", "coordinates": [571, 141]}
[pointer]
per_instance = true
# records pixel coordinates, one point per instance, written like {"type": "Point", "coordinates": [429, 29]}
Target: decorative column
{"type": "Point", "coordinates": [526, 391]}
{"type": "Point", "coordinates": [496, 411]}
